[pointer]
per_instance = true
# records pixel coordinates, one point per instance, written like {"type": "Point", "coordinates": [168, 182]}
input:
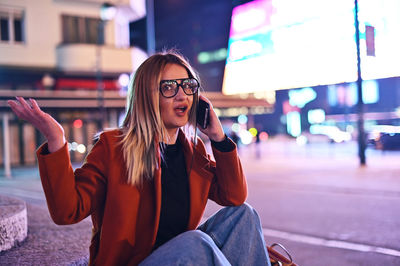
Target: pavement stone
{"type": "Point", "coordinates": [13, 222]}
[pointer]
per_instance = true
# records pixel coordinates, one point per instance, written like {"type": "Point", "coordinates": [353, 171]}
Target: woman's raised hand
{"type": "Point", "coordinates": [46, 124]}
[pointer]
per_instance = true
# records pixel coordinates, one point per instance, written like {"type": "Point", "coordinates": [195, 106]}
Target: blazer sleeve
{"type": "Point", "coordinates": [229, 186]}
{"type": "Point", "coordinates": [72, 196]}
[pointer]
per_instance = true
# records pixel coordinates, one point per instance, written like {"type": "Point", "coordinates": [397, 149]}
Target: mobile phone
{"type": "Point", "coordinates": [203, 113]}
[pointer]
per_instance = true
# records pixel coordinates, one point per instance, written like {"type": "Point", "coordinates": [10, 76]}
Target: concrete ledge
{"type": "Point", "coordinates": [50, 244]}
{"type": "Point", "coordinates": [13, 222]}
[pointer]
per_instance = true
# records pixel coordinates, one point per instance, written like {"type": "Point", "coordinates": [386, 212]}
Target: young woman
{"type": "Point", "coordinates": [147, 183]}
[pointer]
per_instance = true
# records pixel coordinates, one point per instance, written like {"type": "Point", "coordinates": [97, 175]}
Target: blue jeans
{"type": "Point", "coordinates": [232, 236]}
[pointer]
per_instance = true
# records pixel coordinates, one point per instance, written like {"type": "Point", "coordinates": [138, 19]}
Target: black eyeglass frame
{"type": "Point", "coordinates": [179, 85]}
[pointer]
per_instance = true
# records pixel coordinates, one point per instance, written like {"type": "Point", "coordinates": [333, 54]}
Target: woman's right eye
{"type": "Point", "coordinates": [167, 87]}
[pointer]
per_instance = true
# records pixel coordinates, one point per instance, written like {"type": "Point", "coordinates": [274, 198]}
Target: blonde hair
{"type": "Point", "coordinates": [143, 128]}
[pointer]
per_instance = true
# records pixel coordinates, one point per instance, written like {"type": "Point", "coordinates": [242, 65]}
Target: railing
{"type": "Point", "coordinates": [113, 99]}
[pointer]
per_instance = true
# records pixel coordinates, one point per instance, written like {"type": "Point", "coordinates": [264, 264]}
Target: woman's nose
{"type": "Point", "coordinates": [181, 93]}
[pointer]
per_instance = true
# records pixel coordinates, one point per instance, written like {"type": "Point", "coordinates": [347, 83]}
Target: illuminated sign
{"type": "Point", "coordinates": [301, 97]}
{"type": "Point", "coordinates": [347, 95]}
{"type": "Point", "coordinates": [316, 116]}
{"type": "Point", "coordinates": [213, 56]}
{"type": "Point", "coordinates": [294, 44]}
{"type": "Point", "coordinates": [293, 125]}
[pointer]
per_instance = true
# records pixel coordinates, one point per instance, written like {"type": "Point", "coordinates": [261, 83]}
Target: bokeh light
{"type": "Point", "coordinates": [78, 123]}
{"type": "Point", "coordinates": [81, 148]}
{"type": "Point", "coordinates": [253, 131]}
{"type": "Point", "coordinates": [246, 137]}
{"type": "Point", "coordinates": [242, 119]}
{"type": "Point", "coordinates": [235, 127]}
{"type": "Point", "coordinates": [123, 80]}
{"type": "Point", "coordinates": [264, 136]}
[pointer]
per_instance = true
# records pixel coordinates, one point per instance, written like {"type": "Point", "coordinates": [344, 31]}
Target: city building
{"type": "Point", "coordinates": [75, 58]}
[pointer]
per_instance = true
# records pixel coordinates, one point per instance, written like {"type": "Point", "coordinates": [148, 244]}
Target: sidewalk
{"type": "Point", "coordinates": [46, 243]}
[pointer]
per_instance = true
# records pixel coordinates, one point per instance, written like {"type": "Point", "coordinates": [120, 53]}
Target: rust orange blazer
{"type": "Point", "coordinates": [125, 217]}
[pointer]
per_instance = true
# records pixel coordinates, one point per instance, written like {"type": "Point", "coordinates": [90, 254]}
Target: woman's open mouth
{"type": "Point", "coordinates": [181, 110]}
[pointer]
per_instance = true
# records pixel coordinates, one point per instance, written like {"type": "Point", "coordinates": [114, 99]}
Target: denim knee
{"type": "Point", "coordinates": [196, 237]}
{"type": "Point", "coordinates": [200, 249]}
{"type": "Point", "coordinates": [189, 248]}
{"type": "Point", "coordinates": [246, 210]}
{"type": "Point", "coordinates": [246, 207]}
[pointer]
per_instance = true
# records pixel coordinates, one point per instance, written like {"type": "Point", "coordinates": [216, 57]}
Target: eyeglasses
{"type": "Point", "coordinates": [169, 88]}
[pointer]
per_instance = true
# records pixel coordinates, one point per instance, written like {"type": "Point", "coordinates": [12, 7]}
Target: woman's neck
{"type": "Point", "coordinates": [172, 136]}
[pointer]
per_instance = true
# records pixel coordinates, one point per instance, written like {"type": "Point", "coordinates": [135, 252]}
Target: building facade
{"type": "Point", "coordinates": [68, 56]}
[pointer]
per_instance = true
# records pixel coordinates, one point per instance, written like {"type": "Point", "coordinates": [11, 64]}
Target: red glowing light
{"type": "Point", "coordinates": [78, 123]}
{"type": "Point", "coordinates": [263, 136]}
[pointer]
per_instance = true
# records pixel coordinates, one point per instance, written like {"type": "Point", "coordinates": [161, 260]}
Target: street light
{"type": "Point", "coordinates": [107, 12]}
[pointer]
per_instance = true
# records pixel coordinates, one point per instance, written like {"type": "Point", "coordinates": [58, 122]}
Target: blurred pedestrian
{"type": "Point", "coordinates": [146, 184]}
{"type": "Point", "coordinates": [257, 143]}
{"type": "Point", "coordinates": [235, 138]}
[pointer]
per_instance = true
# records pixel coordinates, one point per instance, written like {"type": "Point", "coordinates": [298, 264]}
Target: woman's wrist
{"type": "Point", "coordinates": [55, 144]}
{"type": "Point", "coordinates": [217, 137]}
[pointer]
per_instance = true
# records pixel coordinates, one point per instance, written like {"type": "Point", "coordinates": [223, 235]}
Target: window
{"type": "Point", "coordinates": [4, 29]}
{"type": "Point", "coordinates": [82, 30]}
{"type": "Point", "coordinates": [11, 26]}
{"type": "Point", "coordinates": [18, 29]}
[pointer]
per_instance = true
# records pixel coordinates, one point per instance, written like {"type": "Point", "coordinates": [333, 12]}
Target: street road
{"type": "Point", "coordinates": [322, 206]}
{"type": "Point", "coordinates": [315, 200]}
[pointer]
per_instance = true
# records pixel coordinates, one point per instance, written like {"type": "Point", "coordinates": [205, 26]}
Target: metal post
{"type": "Point", "coordinates": [360, 103]}
{"type": "Point", "coordinates": [100, 85]}
{"type": "Point", "coordinates": [6, 146]}
{"type": "Point", "coordinates": [151, 43]}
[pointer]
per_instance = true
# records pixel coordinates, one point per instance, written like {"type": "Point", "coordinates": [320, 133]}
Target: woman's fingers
{"type": "Point", "coordinates": [22, 109]}
{"type": "Point", "coordinates": [14, 106]}
{"type": "Point", "coordinates": [17, 108]}
{"type": "Point", "coordinates": [205, 99]}
{"type": "Point", "coordinates": [35, 106]}
{"type": "Point", "coordinates": [45, 123]}
{"type": "Point", "coordinates": [30, 112]}
{"type": "Point", "coordinates": [24, 104]}
{"type": "Point", "coordinates": [36, 111]}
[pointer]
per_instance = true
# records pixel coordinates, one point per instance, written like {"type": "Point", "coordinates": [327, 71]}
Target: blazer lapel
{"type": "Point", "coordinates": [196, 164]}
{"type": "Point", "coordinates": [157, 191]}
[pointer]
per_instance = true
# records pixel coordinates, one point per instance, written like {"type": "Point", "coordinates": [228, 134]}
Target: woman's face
{"type": "Point", "coordinates": [175, 111]}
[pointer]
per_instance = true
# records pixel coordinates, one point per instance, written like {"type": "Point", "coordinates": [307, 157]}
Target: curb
{"type": "Point", "coordinates": [13, 222]}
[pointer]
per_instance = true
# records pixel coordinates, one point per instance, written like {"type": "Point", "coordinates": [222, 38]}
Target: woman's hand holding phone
{"type": "Point", "coordinates": [214, 129]}
{"type": "Point", "coordinates": [46, 124]}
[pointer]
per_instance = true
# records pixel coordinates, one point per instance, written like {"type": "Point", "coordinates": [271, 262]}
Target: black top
{"type": "Point", "coordinates": [175, 198]}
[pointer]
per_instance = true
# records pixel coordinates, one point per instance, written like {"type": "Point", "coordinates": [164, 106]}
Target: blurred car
{"type": "Point", "coordinates": [332, 133]}
{"type": "Point", "coordinates": [386, 141]}
{"type": "Point", "coordinates": [308, 138]}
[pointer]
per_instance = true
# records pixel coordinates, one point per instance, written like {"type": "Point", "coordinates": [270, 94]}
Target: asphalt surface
{"type": "Point", "coordinates": [322, 205]}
